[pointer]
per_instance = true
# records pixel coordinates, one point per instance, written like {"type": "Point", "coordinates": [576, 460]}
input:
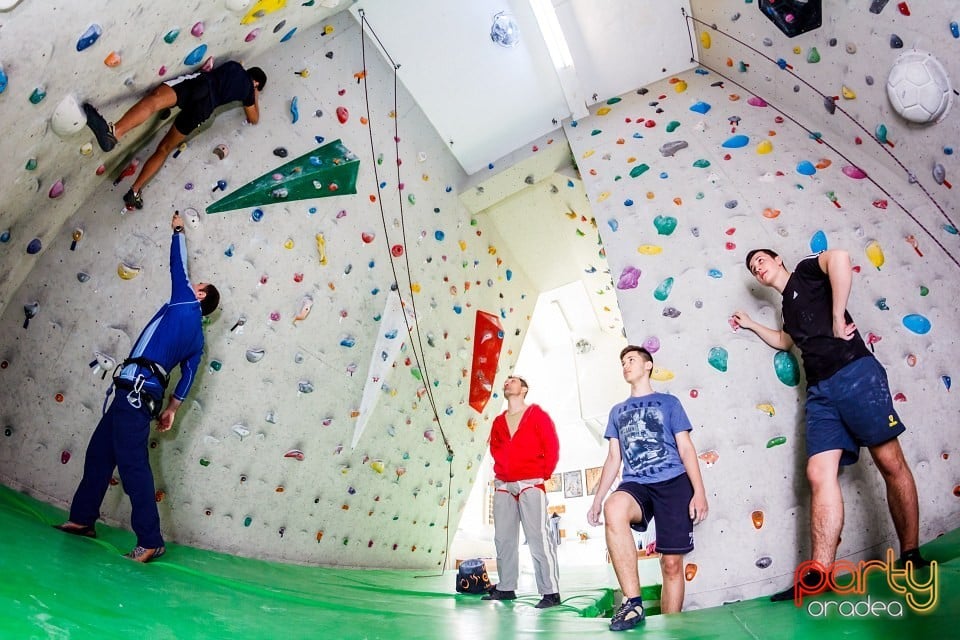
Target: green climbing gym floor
{"type": "Point", "coordinates": [58, 586]}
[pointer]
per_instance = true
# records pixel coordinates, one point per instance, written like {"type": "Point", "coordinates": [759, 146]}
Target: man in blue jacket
{"type": "Point", "coordinates": [173, 337]}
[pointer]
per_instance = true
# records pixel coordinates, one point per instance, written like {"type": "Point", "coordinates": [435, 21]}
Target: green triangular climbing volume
{"type": "Point", "coordinates": [328, 170]}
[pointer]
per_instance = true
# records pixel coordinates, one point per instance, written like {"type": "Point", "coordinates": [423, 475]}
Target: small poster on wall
{"type": "Point", "coordinates": [572, 484]}
{"type": "Point", "coordinates": [593, 479]}
{"type": "Point", "coordinates": [553, 484]}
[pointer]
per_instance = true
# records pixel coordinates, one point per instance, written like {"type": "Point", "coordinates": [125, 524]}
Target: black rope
{"type": "Point", "coordinates": [912, 178]}
{"type": "Point", "coordinates": [419, 357]}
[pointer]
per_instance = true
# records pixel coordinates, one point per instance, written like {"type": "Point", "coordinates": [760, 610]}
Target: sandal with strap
{"type": "Point", "coordinates": [84, 530]}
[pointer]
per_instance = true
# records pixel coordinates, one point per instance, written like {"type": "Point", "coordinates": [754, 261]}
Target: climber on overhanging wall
{"type": "Point", "coordinates": [848, 403]}
{"type": "Point", "coordinates": [173, 337]}
{"type": "Point", "coordinates": [197, 95]}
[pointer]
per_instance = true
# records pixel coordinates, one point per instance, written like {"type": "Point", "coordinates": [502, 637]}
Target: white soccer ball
{"type": "Point", "coordinates": [918, 87]}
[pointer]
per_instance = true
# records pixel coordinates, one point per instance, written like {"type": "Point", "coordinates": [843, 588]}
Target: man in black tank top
{"type": "Point", "coordinates": [848, 399]}
{"type": "Point", "coordinates": [197, 95]}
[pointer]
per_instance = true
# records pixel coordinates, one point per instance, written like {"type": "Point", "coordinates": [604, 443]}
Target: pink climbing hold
{"type": "Point", "coordinates": [207, 65]}
{"type": "Point", "coordinates": [252, 35]}
{"type": "Point", "coordinates": [854, 172]}
{"type": "Point", "coordinates": [342, 115]}
{"type": "Point", "coordinates": [197, 30]}
{"type": "Point", "coordinates": [754, 101]}
{"type": "Point", "coordinates": [57, 189]}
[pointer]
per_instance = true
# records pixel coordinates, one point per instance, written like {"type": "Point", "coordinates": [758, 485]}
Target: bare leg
{"type": "Point", "coordinates": [619, 511]}
{"type": "Point", "coordinates": [901, 492]}
{"type": "Point", "coordinates": [162, 97]}
{"type": "Point", "coordinates": [826, 505]}
{"type": "Point", "coordinates": [170, 142]}
{"type": "Point", "coordinates": [671, 597]}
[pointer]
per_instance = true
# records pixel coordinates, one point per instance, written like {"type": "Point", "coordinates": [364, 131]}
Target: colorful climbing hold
{"type": "Point", "coordinates": [776, 442]}
{"type": "Point", "coordinates": [662, 292]}
{"type": "Point", "coordinates": [91, 35]}
{"type": "Point", "coordinates": [875, 254]}
{"type": "Point", "coordinates": [786, 367]}
{"type": "Point", "coordinates": [818, 242]}
{"type": "Point", "coordinates": [717, 358]}
{"type": "Point", "coordinates": [917, 323]}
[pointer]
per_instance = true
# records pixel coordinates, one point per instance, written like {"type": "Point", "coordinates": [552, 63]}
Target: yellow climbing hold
{"type": "Point", "coordinates": [602, 111]}
{"type": "Point", "coordinates": [262, 8]}
{"type": "Point", "coordinates": [875, 254]}
{"type": "Point", "coordinates": [415, 287]}
{"type": "Point", "coordinates": [603, 196]}
{"type": "Point", "coordinates": [463, 245]}
{"type": "Point", "coordinates": [847, 93]}
{"type": "Point", "coordinates": [127, 271]}
{"type": "Point", "coordinates": [661, 375]}
{"type": "Point", "coordinates": [764, 147]}
{"type": "Point", "coordinates": [767, 409]}
{"type": "Point", "coordinates": [680, 86]}
{"type": "Point", "coordinates": [322, 248]}
{"type": "Point", "coordinates": [649, 249]}
{"type": "Point", "coordinates": [588, 153]}
{"type": "Point", "coordinates": [705, 39]}
{"type": "Point", "coordinates": [797, 50]}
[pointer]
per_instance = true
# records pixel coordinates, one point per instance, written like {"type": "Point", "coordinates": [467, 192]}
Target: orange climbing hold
{"type": "Point", "coordinates": [757, 518]}
{"type": "Point", "coordinates": [690, 571]}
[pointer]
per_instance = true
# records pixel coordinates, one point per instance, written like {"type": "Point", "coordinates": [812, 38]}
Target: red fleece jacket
{"type": "Point", "coordinates": [533, 451]}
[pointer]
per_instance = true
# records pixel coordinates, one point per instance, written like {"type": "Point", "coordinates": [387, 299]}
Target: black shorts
{"type": "Point", "coordinates": [669, 503]}
{"type": "Point", "coordinates": [194, 101]}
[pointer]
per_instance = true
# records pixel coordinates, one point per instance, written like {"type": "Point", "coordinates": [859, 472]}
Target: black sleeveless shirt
{"type": "Point", "coordinates": [808, 320]}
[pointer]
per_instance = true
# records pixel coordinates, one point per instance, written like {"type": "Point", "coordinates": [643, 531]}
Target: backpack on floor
{"type": "Point", "coordinates": [472, 577]}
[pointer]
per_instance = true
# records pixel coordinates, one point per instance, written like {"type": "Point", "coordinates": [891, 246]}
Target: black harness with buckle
{"type": "Point", "coordinates": [136, 395]}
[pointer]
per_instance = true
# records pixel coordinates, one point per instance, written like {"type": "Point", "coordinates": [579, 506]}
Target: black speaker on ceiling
{"type": "Point", "coordinates": [793, 17]}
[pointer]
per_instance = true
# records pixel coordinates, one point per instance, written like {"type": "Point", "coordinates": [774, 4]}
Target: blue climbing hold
{"type": "Point", "coordinates": [818, 242]}
{"type": "Point", "coordinates": [195, 56]}
{"type": "Point", "coordinates": [294, 110]}
{"type": "Point", "coordinates": [806, 168]}
{"type": "Point", "coordinates": [916, 323]}
{"type": "Point", "coordinates": [700, 107]}
{"type": "Point", "coordinates": [736, 142]}
{"type": "Point", "coordinates": [91, 35]}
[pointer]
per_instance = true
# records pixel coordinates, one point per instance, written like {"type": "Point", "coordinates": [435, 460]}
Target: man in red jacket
{"type": "Point", "coordinates": [525, 450]}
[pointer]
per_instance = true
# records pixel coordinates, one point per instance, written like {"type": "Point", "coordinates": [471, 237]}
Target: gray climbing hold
{"type": "Point", "coordinates": [255, 355]}
{"type": "Point", "coordinates": [667, 149]}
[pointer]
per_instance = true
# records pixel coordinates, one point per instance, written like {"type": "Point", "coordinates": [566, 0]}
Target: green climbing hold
{"type": "Point", "coordinates": [923, 290]}
{"type": "Point", "coordinates": [776, 442]}
{"type": "Point", "coordinates": [247, 521]}
{"type": "Point", "coordinates": [662, 292]}
{"type": "Point", "coordinates": [665, 224]}
{"type": "Point", "coordinates": [415, 372]}
{"type": "Point", "coordinates": [718, 358]}
{"type": "Point", "coordinates": [204, 462]}
{"type": "Point", "coordinates": [596, 132]}
{"type": "Point", "coordinates": [701, 163]}
{"type": "Point", "coordinates": [672, 126]}
{"type": "Point", "coordinates": [614, 100]}
{"type": "Point", "coordinates": [639, 170]}
{"type": "Point", "coordinates": [813, 56]}
{"type": "Point", "coordinates": [31, 164]}
{"type": "Point", "coordinates": [788, 371]}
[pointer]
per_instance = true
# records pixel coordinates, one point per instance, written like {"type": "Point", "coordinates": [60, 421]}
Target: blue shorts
{"type": "Point", "coordinates": [851, 409]}
{"type": "Point", "coordinates": [669, 503]}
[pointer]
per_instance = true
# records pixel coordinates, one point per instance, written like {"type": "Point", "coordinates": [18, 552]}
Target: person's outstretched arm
{"type": "Point", "coordinates": [776, 338]}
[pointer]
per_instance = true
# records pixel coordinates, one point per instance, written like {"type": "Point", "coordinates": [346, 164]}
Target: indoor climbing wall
{"type": "Point", "coordinates": [689, 174]}
{"type": "Point", "coordinates": [318, 431]}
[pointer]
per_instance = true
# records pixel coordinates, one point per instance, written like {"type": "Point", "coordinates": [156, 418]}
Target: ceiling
{"type": "Point", "coordinates": [488, 100]}
{"type": "Point", "coordinates": [500, 111]}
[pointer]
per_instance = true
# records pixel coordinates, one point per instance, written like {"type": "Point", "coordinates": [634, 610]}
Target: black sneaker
{"type": "Point", "coordinates": [133, 200]}
{"type": "Point", "coordinates": [102, 129]}
{"type": "Point", "coordinates": [813, 583]}
{"type": "Point", "coordinates": [496, 594]}
{"type": "Point", "coordinates": [629, 615]}
{"type": "Point", "coordinates": [913, 556]}
{"type": "Point", "coordinates": [548, 600]}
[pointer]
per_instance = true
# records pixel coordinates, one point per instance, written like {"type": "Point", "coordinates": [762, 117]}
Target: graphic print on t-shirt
{"type": "Point", "coordinates": [642, 439]}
